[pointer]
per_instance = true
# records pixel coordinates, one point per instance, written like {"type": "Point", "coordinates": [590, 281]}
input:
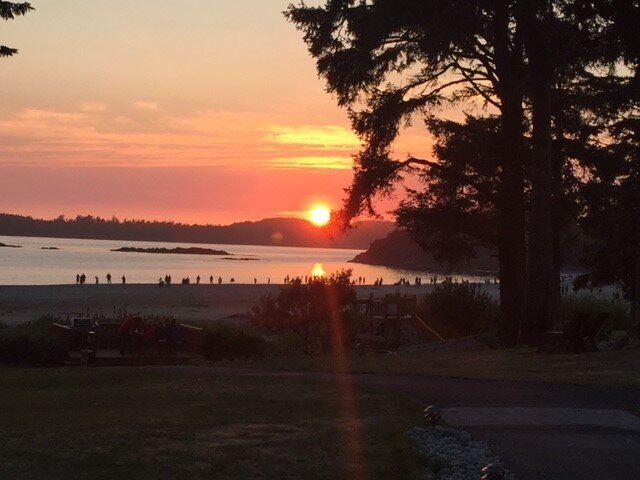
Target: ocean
{"type": "Point", "coordinates": [36, 263]}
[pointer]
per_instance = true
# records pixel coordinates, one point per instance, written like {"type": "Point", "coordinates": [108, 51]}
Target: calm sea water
{"type": "Point", "coordinates": [33, 265]}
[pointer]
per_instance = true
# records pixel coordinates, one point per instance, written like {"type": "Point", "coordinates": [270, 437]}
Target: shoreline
{"type": "Point", "coordinates": [203, 302]}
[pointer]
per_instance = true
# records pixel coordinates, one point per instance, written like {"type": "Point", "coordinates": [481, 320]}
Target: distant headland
{"type": "Point", "coordinates": [399, 251]}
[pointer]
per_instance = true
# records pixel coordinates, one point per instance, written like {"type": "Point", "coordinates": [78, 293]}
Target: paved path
{"type": "Point", "coordinates": [541, 431]}
{"type": "Point", "coordinates": [541, 417]}
{"type": "Point", "coordinates": [600, 441]}
{"type": "Point", "coordinates": [558, 443]}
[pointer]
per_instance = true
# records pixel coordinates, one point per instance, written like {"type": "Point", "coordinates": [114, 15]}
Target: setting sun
{"type": "Point", "coordinates": [319, 215]}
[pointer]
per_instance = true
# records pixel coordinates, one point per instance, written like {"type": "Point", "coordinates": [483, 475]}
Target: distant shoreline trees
{"type": "Point", "coordinates": [290, 232]}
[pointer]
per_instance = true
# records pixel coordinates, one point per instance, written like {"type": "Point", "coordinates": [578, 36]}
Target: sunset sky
{"type": "Point", "coordinates": [205, 111]}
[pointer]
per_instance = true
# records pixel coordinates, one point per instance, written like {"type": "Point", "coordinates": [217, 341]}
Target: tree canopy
{"type": "Point", "coordinates": [509, 173]}
{"type": "Point", "coordinates": [8, 11]}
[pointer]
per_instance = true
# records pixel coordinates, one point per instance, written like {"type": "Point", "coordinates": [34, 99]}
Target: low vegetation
{"type": "Point", "coordinates": [618, 309]}
{"type": "Point", "coordinates": [225, 341]}
{"type": "Point", "coordinates": [173, 423]}
{"type": "Point", "coordinates": [615, 368]}
{"type": "Point", "coordinates": [460, 309]}
{"type": "Point", "coordinates": [29, 344]}
{"type": "Point", "coordinates": [318, 316]}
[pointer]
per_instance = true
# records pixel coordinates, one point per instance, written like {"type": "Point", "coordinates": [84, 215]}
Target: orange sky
{"type": "Point", "coordinates": [198, 111]}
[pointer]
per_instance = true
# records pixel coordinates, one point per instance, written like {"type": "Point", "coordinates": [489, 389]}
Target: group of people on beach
{"type": "Point", "coordinates": [289, 279]}
{"type": "Point", "coordinates": [166, 281]}
{"type": "Point", "coordinates": [137, 336]}
{"type": "Point", "coordinates": [404, 282]}
{"type": "Point", "coordinates": [81, 279]}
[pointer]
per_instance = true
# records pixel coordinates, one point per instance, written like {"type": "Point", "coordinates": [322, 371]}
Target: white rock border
{"type": "Point", "coordinates": [454, 453]}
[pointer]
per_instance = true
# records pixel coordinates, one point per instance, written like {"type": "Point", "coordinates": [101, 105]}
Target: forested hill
{"type": "Point", "coordinates": [397, 250]}
{"type": "Point", "coordinates": [290, 232]}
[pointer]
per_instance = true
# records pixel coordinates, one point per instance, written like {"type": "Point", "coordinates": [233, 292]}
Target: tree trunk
{"type": "Point", "coordinates": [512, 252]}
{"type": "Point", "coordinates": [541, 266]}
{"type": "Point", "coordinates": [542, 311]}
{"type": "Point", "coordinates": [635, 285]}
{"type": "Point", "coordinates": [511, 203]}
{"type": "Point", "coordinates": [559, 218]}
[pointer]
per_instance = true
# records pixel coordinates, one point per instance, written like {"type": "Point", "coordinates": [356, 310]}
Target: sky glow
{"type": "Point", "coordinates": [195, 111]}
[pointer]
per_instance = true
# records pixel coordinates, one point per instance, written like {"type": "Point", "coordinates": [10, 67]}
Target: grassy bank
{"type": "Point", "coordinates": [117, 423]}
{"type": "Point", "coordinates": [618, 368]}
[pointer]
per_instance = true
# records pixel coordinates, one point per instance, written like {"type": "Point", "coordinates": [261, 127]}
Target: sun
{"type": "Point", "coordinates": [319, 215]}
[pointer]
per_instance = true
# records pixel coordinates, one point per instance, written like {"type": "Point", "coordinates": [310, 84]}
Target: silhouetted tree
{"type": "Point", "coordinates": [523, 59]}
{"type": "Point", "coordinates": [456, 211]}
{"type": "Point", "coordinates": [388, 60]}
{"type": "Point", "coordinates": [8, 11]}
{"type": "Point", "coordinates": [612, 196]}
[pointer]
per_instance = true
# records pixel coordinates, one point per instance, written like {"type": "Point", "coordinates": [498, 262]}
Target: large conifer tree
{"type": "Point", "coordinates": [612, 194]}
{"type": "Point", "coordinates": [388, 60]}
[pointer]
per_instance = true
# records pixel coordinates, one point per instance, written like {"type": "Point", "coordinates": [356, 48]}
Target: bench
{"type": "Point", "coordinates": [578, 335]}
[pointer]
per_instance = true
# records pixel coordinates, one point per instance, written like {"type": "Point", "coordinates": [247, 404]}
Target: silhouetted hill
{"type": "Point", "coordinates": [290, 232]}
{"type": "Point", "coordinates": [397, 250]}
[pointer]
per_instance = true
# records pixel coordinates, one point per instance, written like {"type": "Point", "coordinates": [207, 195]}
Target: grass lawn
{"type": "Point", "coordinates": [619, 368]}
{"type": "Point", "coordinates": [136, 424]}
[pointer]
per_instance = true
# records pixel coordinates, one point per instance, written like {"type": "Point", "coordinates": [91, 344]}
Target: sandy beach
{"type": "Point", "coordinates": [19, 304]}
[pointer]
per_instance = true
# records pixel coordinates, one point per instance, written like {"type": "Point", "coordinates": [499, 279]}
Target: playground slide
{"type": "Point", "coordinates": [422, 327]}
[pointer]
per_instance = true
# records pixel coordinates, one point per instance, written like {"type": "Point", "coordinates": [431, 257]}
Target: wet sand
{"type": "Point", "coordinates": [19, 304]}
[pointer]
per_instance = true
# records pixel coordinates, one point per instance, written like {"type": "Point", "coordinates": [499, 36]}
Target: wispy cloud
{"type": "Point", "coordinates": [143, 105]}
{"type": "Point", "coordinates": [318, 162]}
{"type": "Point", "coordinates": [100, 135]}
{"type": "Point", "coordinates": [327, 136]}
{"type": "Point", "coordinates": [93, 107]}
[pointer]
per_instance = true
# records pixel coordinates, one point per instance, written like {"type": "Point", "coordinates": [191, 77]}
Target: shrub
{"type": "Point", "coordinates": [30, 344]}
{"type": "Point", "coordinates": [285, 344]}
{"type": "Point", "coordinates": [618, 310]}
{"type": "Point", "coordinates": [319, 312]}
{"type": "Point", "coordinates": [460, 309]}
{"type": "Point", "coordinates": [229, 342]}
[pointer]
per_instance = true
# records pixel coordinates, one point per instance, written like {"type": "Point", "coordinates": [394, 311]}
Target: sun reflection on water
{"type": "Point", "coordinates": [318, 270]}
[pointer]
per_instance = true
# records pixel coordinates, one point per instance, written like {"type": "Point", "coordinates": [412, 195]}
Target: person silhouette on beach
{"type": "Point", "coordinates": [211, 279]}
{"type": "Point", "coordinates": [108, 278]}
{"type": "Point", "coordinates": [124, 279]}
{"type": "Point", "coordinates": [219, 280]}
{"type": "Point", "coordinates": [198, 279]}
{"type": "Point", "coordinates": [96, 280]}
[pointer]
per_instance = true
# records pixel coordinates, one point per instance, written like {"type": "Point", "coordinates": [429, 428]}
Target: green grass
{"type": "Point", "coordinates": [618, 368]}
{"type": "Point", "coordinates": [139, 424]}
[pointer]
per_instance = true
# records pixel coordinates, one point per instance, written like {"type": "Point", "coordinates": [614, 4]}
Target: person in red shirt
{"type": "Point", "coordinates": [127, 332]}
{"type": "Point", "coordinates": [150, 336]}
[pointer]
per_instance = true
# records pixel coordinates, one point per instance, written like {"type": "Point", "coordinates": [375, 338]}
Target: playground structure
{"type": "Point", "coordinates": [391, 322]}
